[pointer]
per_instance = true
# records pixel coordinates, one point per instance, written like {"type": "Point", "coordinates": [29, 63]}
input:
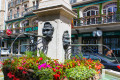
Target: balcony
{"type": "Point", "coordinates": [29, 10]}
{"type": "Point", "coordinates": [97, 19]}
{"type": "Point", "coordinates": [16, 15]}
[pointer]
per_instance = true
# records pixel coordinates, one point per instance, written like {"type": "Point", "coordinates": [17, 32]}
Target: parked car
{"type": "Point", "coordinates": [4, 51]}
{"type": "Point", "coordinates": [109, 63]}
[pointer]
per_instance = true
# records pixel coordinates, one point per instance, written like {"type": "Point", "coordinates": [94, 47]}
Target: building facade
{"type": "Point", "coordinates": [98, 22]}
{"type": "Point", "coordinates": [20, 19]}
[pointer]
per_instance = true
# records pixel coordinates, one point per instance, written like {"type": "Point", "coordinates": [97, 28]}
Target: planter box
{"type": "Point", "coordinates": [31, 75]}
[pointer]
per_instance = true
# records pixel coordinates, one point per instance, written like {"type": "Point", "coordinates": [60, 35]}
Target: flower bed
{"type": "Point", "coordinates": [44, 68]}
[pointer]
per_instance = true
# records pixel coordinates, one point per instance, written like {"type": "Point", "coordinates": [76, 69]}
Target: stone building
{"type": "Point", "coordinates": [98, 22]}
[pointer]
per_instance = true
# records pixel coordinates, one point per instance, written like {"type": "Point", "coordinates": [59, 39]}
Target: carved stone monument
{"type": "Point", "coordinates": [58, 13]}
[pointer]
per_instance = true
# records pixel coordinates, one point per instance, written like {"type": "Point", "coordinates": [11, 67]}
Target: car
{"type": "Point", "coordinates": [4, 51]}
{"type": "Point", "coordinates": [108, 62]}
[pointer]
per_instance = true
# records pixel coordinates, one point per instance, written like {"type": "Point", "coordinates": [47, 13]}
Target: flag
{"type": "Point", "coordinates": [8, 32]}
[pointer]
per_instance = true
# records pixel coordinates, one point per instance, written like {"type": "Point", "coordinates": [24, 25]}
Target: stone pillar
{"type": "Point", "coordinates": [59, 16]}
{"type": "Point", "coordinates": [100, 48]}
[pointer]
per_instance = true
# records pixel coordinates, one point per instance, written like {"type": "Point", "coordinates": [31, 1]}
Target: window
{"type": "Point", "coordinates": [16, 25]}
{"type": "Point", "coordinates": [110, 8]}
{"type": "Point", "coordinates": [72, 1]}
{"type": "Point", "coordinates": [91, 11]}
{"type": "Point", "coordinates": [25, 23]}
{"type": "Point", "coordinates": [25, 7]}
{"type": "Point", "coordinates": [11, 14]}
{"type": "Point", "coordinates": [35, 22]}
{"type": "Point", "coordinates": [9, 26]}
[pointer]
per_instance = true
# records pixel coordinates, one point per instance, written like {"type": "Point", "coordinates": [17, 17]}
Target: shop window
{"type": "Point", "coordinates": [113, 42]}
{"type": "Point", "coordinates": [90, 49]}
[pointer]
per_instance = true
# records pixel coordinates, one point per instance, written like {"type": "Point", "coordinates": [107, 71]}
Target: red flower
{"type": "Point", "coordinates": [24, 72]}
{"type": "Point", "coordinates": [10, 75]}
{"type": "Point", "coordinates": [56, 76]}
{"type": "Point", "coordinates": [59, 72]}
{"type": "Point", "coordinates": [40, 58]}
{"type": "Point", "coordinates": [90, 67]}
{"type": "Point", "coordinates": [8, 32]}
{"type": "Point", "coordinates": [54, 70]}
{"type": "Point", "coordinates": [21, 68]}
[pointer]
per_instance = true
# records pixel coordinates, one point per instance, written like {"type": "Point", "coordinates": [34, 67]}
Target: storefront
{"type": "Point", "coordinates": [112, 40]}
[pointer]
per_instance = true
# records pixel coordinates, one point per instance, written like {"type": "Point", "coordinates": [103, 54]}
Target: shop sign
{"type": "Point", "coordinates": [111, 33]}
{"type": "Point", "coordinates": [31, 29]}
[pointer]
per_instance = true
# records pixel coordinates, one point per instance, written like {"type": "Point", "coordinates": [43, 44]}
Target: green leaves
{"type": "Point", "coordinates": [80, 73]}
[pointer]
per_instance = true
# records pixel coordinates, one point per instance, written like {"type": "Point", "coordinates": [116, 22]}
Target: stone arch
{"type": "Point", "coordinates": [107, 3]}
{"type": "Point", "coordinates": [86, 7]}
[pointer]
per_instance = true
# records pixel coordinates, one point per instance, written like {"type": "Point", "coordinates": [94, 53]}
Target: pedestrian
{"type": "Point", "coordinates": [109, 53]}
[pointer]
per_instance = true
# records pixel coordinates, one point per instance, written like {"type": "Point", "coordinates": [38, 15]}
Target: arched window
{"type": "Point", "coordinates": [111, 7]}
{"type": "Point", "coordinates": [91, 11]}
{"type": "Point", "coordinates": [17, 25]}
{"type": "Point", "coordinates": [35, 22]}
{"type": "Point", "coordinates": [25, 23]}
{"type": "Point", "coordinates": [9, 26]}
{"type": "Point", "coordinates": [108, 9]}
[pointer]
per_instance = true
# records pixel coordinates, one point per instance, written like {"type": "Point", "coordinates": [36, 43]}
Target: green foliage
{"type": "Point", "coordinates": [29, 53]}
{"type": "Point", "coordinates": [45, 74]}
{"type": "Point", "coordinates": [80, 73]}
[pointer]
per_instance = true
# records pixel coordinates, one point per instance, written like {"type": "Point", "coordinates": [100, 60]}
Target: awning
{"type": "Point", "coordinates": [91, 3]}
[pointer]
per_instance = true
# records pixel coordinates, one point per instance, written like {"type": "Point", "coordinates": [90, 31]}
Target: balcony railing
{"type": "Point", "coordinates": [97, 19]}
{"type": "Point", "coordinates": [30, 9]}
{"type": "Point", "coordinates": [16, 15]}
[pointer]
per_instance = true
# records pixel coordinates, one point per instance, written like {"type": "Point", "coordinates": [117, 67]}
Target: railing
{"type": "Point", "coordinates": [16, 15]}
{"type": "Point", "coordinates": [97, 19]}
{"type": "Point", "coordinates": [28, 10]}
